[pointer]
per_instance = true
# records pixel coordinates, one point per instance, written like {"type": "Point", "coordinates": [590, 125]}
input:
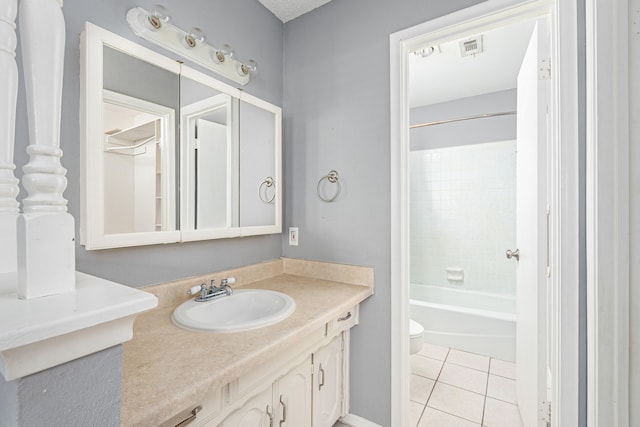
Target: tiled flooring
{"type": "Point", "coordinates": [452, 388]}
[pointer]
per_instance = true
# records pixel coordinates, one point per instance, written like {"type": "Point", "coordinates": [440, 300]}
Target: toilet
{"type": "Point", "coordinates": [416, 333]}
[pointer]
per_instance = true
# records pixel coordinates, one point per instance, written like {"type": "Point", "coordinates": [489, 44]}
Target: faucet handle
{"type": "Point", "coordinates": [228, 281]}
{"type": "Point", "coordinates": [195, 289]}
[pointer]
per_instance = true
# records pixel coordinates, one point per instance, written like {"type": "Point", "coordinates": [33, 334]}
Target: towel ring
{"type": "Point", "coordinates": [333, 178]}
{"type": "Point", "coordinates": [268, 182]}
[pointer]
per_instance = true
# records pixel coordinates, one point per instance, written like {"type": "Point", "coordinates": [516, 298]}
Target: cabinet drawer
{"type": "Point", "coordinates": [346, 320]}
{"type": "Point", "coordinates": [208, 408]}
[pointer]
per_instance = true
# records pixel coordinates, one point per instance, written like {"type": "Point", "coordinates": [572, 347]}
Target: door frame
{"type": "Point", "coordinates": [563, 192]}
{"type": "Point", "coordinates": [607, 212]}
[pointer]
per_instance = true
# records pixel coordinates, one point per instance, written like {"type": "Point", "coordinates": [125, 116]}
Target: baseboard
{"type": "Point", "coordinates": [356, 421]}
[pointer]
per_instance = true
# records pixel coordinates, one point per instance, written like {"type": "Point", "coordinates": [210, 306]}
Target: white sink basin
{"type": "Point", "coordinates": [243, 310]}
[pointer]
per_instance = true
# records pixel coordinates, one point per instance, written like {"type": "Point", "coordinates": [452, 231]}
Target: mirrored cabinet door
{"type": "Point", "coordinates": [169, 153]}
{"type": "Point", "coordinates": [259, 160]}
{"type": "Point", "coordinates": [130, 102]}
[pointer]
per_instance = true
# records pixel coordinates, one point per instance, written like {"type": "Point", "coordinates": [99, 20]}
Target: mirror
{"type": "Point", "coordinates": [260, 159]}
{"type": "Point", "coordinates": [139, 131]}
{"type": "Point", "coordinates": [169, 153]}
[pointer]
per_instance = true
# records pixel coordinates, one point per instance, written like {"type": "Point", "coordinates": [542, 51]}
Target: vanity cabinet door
{"type": "Point", "coordinates": [292, 396]}
{"type": "Point", "coordinates": [257, 412]}
{"type": "Point", "coordinates": [328, 383]}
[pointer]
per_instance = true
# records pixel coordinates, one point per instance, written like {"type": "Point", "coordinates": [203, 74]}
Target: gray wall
{"type": "Point", "coordinates": [582, 167]}
{"type": "Point", "coordinates": [254, 33]}
{"type": "Point", "coordinates": [336, 108]}
{"type": "Point", "coordinates": [81, 393]}
{"type": "Point", "coordinates": [477, 131]}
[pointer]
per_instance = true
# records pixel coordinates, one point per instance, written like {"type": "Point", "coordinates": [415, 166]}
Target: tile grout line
{"type": "Point", "coordinates": [424, 407]}
{"type": "Point", "coordinates": [459, 388]}
{"type": "Point", "coordinates": [433, 388]}
{"type": "Point", "coordinates": [486, 391]}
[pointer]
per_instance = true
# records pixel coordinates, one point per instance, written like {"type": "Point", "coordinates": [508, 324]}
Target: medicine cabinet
{"type": "Point", "coordinates": [170, 154]}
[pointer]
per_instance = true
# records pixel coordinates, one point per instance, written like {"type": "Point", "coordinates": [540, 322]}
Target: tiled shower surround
{"type": "Point", "coordinates": [463, 216]}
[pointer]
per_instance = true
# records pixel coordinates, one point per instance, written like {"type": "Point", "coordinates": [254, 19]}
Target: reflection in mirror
{"type": "Point", "coordinates": [139, 107]}
{"type": "Point", "coordinates": [258, 185]}
{"type": "Point", "coordinates": [139, 111]}
{"type": "Point", "coordinates": [209, 157]}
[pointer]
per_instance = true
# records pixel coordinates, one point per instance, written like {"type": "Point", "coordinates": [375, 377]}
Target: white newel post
{"type": "Point", "coordinates": [8, 95]}
{"type": "Point", "coordinates": [46, 233]}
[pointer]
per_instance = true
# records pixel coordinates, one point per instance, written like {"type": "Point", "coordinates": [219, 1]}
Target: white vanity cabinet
{"type": "Point", "coordinates": [314, 393]}
{"type": "Point", "coordinates": [292, 397]}
{"type": "Point", "coordinates": [255, 413]}
{"type": "Point", "coordinates": [328, 383]}
{"type": "Point", "coordinates": [286, 403]}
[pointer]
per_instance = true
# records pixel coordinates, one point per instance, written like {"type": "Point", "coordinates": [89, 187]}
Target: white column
{"type": "Point", "coordinates": [46, 234]}
{"type": "Point", "coordinates": [8, 94]}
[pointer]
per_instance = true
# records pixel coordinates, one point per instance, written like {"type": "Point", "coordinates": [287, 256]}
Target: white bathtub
{"type": "Point", "coordinates": [466, 320]}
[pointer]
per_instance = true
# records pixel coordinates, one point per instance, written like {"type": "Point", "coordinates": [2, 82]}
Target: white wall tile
{"type": "Point", "coordinates": [463, 215]}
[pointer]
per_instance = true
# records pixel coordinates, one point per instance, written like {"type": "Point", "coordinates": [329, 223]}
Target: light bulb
{"type": "Point", "coordinates": [158, 16]}
{"type": "Point", "coordinates": [250, 66]}
{"type": "Point", "coordinates": [194, 37]}
{"type": "Point", "coordinates": [427, 51]}
{"type": "Point", "coordinates": [222, 54]}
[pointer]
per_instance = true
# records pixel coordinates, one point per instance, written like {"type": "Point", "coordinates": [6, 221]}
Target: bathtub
{"type": "Point", "coordinates": [472, 321]}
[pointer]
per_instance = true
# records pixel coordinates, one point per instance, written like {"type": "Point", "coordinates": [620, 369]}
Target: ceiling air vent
{"type": "Point", "coordinates": [472, 46]}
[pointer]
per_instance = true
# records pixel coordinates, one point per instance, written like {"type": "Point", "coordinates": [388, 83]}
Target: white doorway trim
{"type": "Point", "coordinates": [563, 193]}
{"type": "Point", "coordinates": [607, 29]}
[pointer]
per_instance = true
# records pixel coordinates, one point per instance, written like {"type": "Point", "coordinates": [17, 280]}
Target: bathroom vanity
{"type": "Point", "coordinates": [292, 373]}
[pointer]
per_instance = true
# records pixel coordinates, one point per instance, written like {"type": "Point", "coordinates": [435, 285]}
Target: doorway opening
{"type": "Point", "coordinates": [477, 171]}
{"type": "Point", "coordinates": [476, 138]}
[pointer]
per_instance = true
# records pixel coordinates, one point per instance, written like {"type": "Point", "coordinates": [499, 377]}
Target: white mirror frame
{"type": "Point", "coordinates": [277, 161]}
{"type": "Point", "coordinates": [92, 235]}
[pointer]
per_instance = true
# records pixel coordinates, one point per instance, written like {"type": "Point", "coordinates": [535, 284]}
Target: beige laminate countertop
{"type": "Point", "coordinates": [167, 369]}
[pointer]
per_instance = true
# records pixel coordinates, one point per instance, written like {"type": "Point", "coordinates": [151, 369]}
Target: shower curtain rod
{"type": "Point", "coordinates": [478, 116]}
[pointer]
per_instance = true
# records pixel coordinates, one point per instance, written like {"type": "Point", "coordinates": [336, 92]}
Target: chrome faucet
{"type": "Point", "coordinates": [214, 291]}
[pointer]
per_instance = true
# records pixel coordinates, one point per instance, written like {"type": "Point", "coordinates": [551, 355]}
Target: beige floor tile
{"type": "Point", "coordinates": [456, 401]}
{"type": "Point", "coordinates": [503, 368]}
{"type": "Point", "coordinates": [415, 412]}
{"type": "Point", "coordinates": [434, 418]}
{"type": "Point", "coordinates": [420, 389]}
{"type": "Point", "coordinates": [502, 388]}
{"type": "Point", "coordinates": [501, 414]}
{"type": "Point", "coordinates": [463, 377]}
{"type": "Point", "coordinates": [425, 366]}
{"type": "Point", "coordinates": [470, 360]}
{"type": "Point", "coordinates": [434, 351]}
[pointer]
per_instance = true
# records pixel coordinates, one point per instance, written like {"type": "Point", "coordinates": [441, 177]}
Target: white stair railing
{"type": "Point", "coordinates": [46, 233]}
{"type": "Point", "coordinates": [9, 207]}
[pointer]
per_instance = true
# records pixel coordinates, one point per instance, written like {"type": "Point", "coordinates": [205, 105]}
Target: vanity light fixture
{"type": "Point", "coordinates": [155, 27]}
{"type": "Point", "coordinates": [194, 37]}
{"type": "Point", "coordinates": [157, 16]}
{"type": "Point", "coordinates": [250, 67]}
{"type": "Point", "coordinates": [222, 54]}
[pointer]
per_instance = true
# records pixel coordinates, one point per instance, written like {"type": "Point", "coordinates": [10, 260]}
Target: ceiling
{"type": "Point", "coordinates": [446, 75]}
{"type": "Point", "coordinates": [286, 10]}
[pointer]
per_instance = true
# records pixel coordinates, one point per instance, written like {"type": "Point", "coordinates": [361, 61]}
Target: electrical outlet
{"type": "Point", "coordinates": [293, 236]}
